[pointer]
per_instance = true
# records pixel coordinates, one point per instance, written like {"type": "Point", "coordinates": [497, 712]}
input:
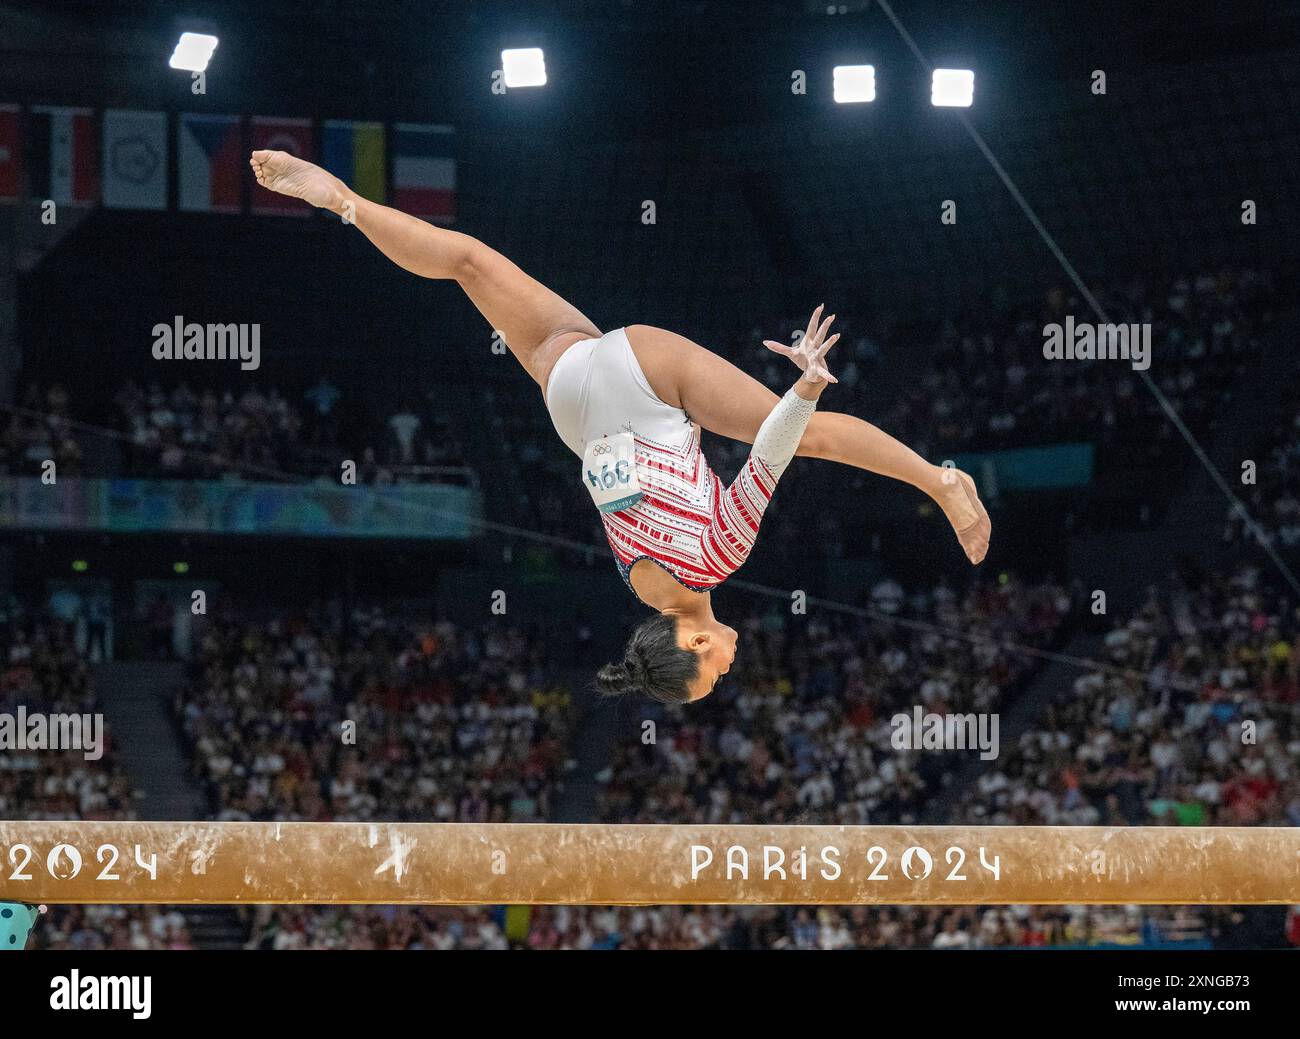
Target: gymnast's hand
{"type": "Point", "coordinates": [809, 351]}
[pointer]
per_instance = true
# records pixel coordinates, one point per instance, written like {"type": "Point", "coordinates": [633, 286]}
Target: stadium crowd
{"type": "Point", "coordinates": [1270, 490]}
{"type": "Point", "coordinates": [39, 430]}
{"type": "Point", "coordinates": [363, 713]}
{"type": "Point", "coordinates": [1193, 724]}
{"type": "Point", "coordinates": [258, 433]}
{"type": "Point", "coordinates": [986, 385]}
{"type": "Point", "coordinates": [262, 434]}
{"type": "Point", "coordinates": [803, 731]}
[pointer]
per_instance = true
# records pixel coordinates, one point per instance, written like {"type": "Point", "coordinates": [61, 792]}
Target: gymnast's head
{"type": "Point", "coordinates": [672, 659]}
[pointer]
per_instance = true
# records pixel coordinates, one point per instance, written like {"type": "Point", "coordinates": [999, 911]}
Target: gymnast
{"type": "Point", "coordinates": [631, 403]}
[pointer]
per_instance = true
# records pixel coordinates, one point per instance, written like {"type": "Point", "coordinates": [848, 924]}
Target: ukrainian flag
{"type": "Point", "coordinates": [354, 152]}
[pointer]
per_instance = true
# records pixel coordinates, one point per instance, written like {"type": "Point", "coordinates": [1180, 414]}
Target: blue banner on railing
{"type": "Point", "coordinates": [425, 511]}
{"type": "Point", "coordinates": [1030, 468]}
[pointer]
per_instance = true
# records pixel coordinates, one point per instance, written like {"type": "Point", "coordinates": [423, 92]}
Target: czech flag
{"type": "Point", "coordinates": [210, 163]}
{"type": "Point", "coordinates": [354, 152]}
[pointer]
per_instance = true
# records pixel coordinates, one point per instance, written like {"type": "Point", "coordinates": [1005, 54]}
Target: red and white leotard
{"type": "Point", "coordinates": [685, 521]}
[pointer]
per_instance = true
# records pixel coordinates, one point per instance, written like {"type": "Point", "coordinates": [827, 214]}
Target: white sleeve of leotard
{"type": "Point", "coordinates": [779, 435]}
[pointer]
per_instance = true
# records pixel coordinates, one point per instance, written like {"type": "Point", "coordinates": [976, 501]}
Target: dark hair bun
{"type": "Point", "coordinates": [638, 670]}
{"type": "Point", "coordinates": [614, 680]}
{"type": "Point", "coordinates": [653, 664]}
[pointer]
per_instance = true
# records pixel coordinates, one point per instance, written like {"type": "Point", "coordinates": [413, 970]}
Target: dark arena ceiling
{"type": "Point", "coordinates": [635, 65]}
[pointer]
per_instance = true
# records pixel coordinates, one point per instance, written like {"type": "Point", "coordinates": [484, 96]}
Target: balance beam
{"type": "Point", "coordinates": [537, 864]}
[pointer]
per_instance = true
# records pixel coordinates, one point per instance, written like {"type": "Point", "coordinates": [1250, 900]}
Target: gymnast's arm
{"type": "Point", "coordinates": [735, 523]}
{"type": "Point", "coordinates": [735, 526]}
{"type": "Point", "coordinates": [779, 435]}
{"type": "Point", "coordinates": [734, 529]}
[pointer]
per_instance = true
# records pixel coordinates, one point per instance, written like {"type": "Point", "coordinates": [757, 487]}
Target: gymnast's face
{"type": "Point", "coordinates": [714, 646]}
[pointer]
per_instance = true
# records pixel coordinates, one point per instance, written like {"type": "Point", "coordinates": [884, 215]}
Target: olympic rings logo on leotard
{"type": "Point", "coordinates": [601, 449]}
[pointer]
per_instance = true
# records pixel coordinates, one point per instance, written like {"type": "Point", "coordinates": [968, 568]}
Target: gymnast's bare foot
{"type": "Point", "coordinates": [289, 175]}
{"type": "Point", "coordinates": [961, 504]}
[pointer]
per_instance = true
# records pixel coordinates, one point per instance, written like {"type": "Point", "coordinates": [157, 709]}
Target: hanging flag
{"type": "Point", "coordinates": [354, 152]}
{"type": "Point", "coordinates": [11, 153]}
{"type": "Point", "coordinates": [424, 171]}
{"type": "Point", "coordinates": [63, 155]}
{"type": "Point", "coordinates": [135, 159]}
{"type": "Point", "coordinates": [285, 135]}
{"type": "Point", "coordinates": [210, 163]}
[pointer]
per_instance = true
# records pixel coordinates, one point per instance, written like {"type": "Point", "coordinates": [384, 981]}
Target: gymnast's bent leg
{"type": "Point", "coordinates": [724, 400]}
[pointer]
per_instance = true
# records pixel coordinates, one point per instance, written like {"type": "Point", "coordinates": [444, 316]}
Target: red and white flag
{"type": "Point", "coordinates": [285, 135]}
{"type": "Point", "coordinates": [64, 155]}
{"type": "Point", "coordinates": [424, 170]}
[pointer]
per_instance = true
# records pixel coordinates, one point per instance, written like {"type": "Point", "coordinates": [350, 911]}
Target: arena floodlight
{"type": "Point", "coordinates": [854, 83]}
{"type": "Point", "coordinates": [952, 88]}
{"type": "Point", "coordinates": [193, 51]}
{"type": "Point", "coordinates": [524, 67]}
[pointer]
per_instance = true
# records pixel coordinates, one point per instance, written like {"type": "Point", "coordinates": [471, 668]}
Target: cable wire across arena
{"type": "Point", "coordinates": [591, 864]}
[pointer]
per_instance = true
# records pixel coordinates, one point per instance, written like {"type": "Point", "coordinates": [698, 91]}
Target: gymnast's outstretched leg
{"type": "Point", "coordinates": [536, 324]}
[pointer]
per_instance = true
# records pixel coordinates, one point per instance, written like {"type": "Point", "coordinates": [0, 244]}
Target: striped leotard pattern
{"type": "Point", "coordinates": [685, 521]}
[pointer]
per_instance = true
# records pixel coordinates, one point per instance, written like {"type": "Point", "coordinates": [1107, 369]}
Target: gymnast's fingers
{"type": "Point", "coordinates": [812, 321]}
{"type": "Point", "coordinates": [821, 331]}
{"type": "Point", "coordinates": [821, 350]}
